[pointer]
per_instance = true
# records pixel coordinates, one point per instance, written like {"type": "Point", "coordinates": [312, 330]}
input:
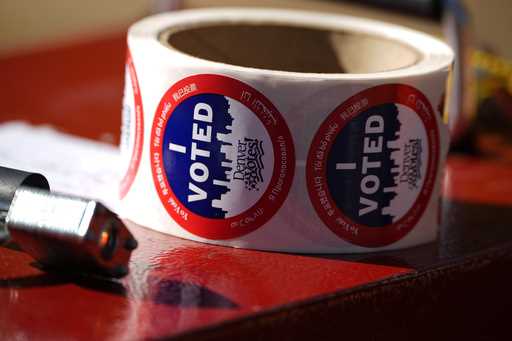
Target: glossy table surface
{"type": "Point", "coordinates": [187, 290]}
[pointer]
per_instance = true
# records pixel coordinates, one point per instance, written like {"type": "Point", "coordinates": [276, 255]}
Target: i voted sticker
{"type": "Point", "coordinates": [372, 164]}
{"type": "Point", "coordinates": [132, 129]}
{"type": "Point", "coordinates": [222, 156]}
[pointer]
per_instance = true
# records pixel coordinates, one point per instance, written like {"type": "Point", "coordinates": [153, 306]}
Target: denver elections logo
{"type": "Point", "coordinates": [372, 164]}
{"type": "Point", "coordinates": [221, 155]}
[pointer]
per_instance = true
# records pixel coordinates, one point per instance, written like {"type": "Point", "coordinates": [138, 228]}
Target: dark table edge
{"type": "Point", "coordinates": [268, 324]}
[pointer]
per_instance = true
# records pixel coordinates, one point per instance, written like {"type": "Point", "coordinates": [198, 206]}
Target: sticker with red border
{"type": "Point", "coordinates": [372, 165]}
{"type": "Point", "coordinates": [132, 129]}
{"type": "Point", "coordinates": [222, 156]}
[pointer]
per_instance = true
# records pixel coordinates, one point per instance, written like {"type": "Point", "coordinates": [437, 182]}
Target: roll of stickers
{"type": "Point", "coordinates": [284, 130]}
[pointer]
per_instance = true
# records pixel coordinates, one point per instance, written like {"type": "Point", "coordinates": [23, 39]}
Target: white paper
{"type": "Point", "coordinates": [72, 165]}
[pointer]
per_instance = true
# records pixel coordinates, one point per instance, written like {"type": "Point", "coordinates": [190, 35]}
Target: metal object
{"type": "Point", "coordinates": [62, 231]}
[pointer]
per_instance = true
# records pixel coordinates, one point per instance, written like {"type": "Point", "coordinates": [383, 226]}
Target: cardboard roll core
{"type": "Point", "coordinates": [291, 48]}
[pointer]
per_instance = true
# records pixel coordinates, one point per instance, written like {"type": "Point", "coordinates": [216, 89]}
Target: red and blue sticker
{"type": "Point", "coordinates": [222, 156]}
{"type": "Point", "coordinates": [372, 165]}
{"type": "Point", "coordinates": [132, 130]}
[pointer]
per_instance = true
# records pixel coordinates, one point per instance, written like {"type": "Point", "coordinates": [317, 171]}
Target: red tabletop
{"type": "Point", "coordinates": [179, 288]}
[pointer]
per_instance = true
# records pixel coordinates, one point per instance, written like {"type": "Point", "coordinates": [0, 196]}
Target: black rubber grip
{"type": "Point", "coordinates": [12, 179]}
